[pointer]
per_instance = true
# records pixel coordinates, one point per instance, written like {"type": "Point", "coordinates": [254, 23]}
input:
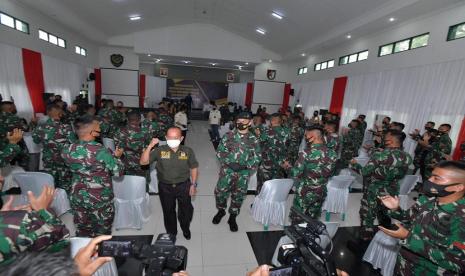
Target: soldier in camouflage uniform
{"type": "Point", "coordinates": [432, 233]}
{"type": "Point", "coordinates": [92, 166]}
{"type": "Point", "coordinates": [363, 124]}
{"type": "Point", "coordinates": [151, 124]}
{"type": "Point", "coordinates": [239, 154]}
{"type": "Point", "coordinates": [165, 121]}
{"type": "Point", "coordinates": [438, 150]}
{"type": "Point", "coordinates": [257, 124]}
{"type": "Point", "coordinates": [8, 122]}
{"type": "Point", "coordinates": [420, 149]}
{"type": "Point", "coordinates": [9, 151]}
{"type": "Point", "coordinates": [351, 143]}
{"type": "Point", "coordinates": [331, 136]}
{"type": "Point", "coordinates": [30, 230]}
{"type": "Point", "coordinates": [274, 141]}
{"type": "Point", "coordinates": [54, 136]}
{"type": "Point", "coordinates": [133, 139]}
{"type": "Point", "coordinates": [71, 114]}
{"type": "Point", "coordinates": [296, 136]}
{"type": "Point", "coordinates": [115, 118]}
{"type": "Point", "coordinates": [383, 173]}
{"type": "Point", "coordinates": [311, 171]}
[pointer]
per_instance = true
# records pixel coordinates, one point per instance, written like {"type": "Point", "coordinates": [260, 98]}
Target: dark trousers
{"type": "Point", "coordinates": [168, 196]}
{"type": "Point", "coordinates": [215, 132]}
{"type": "Point", "coordinates": [184, 134]}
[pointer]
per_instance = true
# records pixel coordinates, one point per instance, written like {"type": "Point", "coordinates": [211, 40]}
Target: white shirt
{"type": "Point", "coordinates": [180, 119]}
{"type": "Point", "coordinates": [215, 117]}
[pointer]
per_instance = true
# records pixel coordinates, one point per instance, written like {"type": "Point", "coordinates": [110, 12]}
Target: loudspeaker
{"type": "Point", "coordinates": [92, 76]}
{"type": "Point", "coordinates": [291, 92]}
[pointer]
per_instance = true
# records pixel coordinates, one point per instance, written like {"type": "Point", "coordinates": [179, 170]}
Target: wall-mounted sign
{"type": "Point", "coordinates": [230, 77]}
{"type": "Point", "coordinates": [117, 60]}
{"type": "Point", "coordinates": [271, 74]}
{"type": "Point", "coordinates": [164, 72]}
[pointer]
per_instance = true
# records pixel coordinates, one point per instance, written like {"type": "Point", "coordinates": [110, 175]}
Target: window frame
{"type": "Point", "coordinates": [300, 70]}
{"type": "Point", "coordinates": [57, 37]}
{"type": "Point", "coordinates": [448, 38]}
{"type": "Point", "coordinates": [357, 58]}
{"type": "Point", "coordinates": [14, 23]}
{"type": "Point", "coordinates": [320, 64]}
{"type": "Point", "coordinates": [410, 39]}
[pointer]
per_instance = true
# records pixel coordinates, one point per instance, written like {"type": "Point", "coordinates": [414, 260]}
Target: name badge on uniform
{"type": "Point", "coordinates": [165, 155]}
{"type": "Point", "coordinates": [182, 156]}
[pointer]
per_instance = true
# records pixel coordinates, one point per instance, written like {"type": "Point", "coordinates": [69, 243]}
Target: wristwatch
{"type": "Point", "coordinates": [195, 184]}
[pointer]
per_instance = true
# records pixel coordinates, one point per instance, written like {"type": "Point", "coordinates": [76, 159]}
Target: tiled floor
{"type": "Point", "coordinates": [213, 249]}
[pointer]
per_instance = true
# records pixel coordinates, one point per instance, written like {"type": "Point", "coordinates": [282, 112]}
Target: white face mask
{"type": "Point", "coordinates": [173, 143]}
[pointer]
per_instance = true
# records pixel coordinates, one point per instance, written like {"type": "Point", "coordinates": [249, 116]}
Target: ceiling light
{"type": "Point", "coordinates": [186, 61]}
{"type": "Point", "coordinates": [157, 60]}
{"type": "Point", "coordinates": [260, 31]}
{"type": "Point", "coordinates": [135, 17]}
{"type": "Point", "coordinates": [277, 15]}
{"type": "Point", "coordinates": [303, 54]}
{"type": "Point", "coordinates": [213, 64]}
{"type": "Point", "coordinates": [349, 36]}
{"type": "Point", "coordinates": [270, 61]}
{"type": "Point", "coordinates": [246, 63]}
{"type": "Point", "coordinates": [149, 55]}
{"type": "Point", "coordinates": [392, 19]}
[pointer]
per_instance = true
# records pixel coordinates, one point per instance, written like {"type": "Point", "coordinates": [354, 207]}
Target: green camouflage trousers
{"type": "Point", "coordinates": [267, 172]}
{"type": "Point", "coordinates": [309, 200]}
{"type": "Point", "coordinates": [91, 218]}
{"type": "Point", "coordinates": [234, 184]}
{"type": "Point", "coordinates": [61, 176]}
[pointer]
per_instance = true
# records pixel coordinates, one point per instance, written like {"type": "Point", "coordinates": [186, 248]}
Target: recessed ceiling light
{"type": "Point", "coordinates": [135, 17]}
{"type": "Point", "coordinates": [213, 64]}
{"type": "Point", "coordinates": [149, 55]}
{"type": "Point", "coordinates": [303, 54]}
{"type": "Point", "coordinates": [392, 19]}
{"type": "Point", "coordinates": [270, 61]}
{"type": "Point", "coordinates": [157, 60]}
{"type": "Point", "coordinates": [186, 61]}
{"type": "Point", "coordinates": [260, 31]}
{"type": "Point", "coordinates": [246, 63]}
{"type": "Point", "coordinates": [349, 36]}
{"type": "Point", "coordinates": [277, 15]}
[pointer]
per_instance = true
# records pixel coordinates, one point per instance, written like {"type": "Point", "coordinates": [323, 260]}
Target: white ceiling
{"type": "Point", "coordinates": [198, 62]}
{"type": "Point", "coordinates": [307, 24]}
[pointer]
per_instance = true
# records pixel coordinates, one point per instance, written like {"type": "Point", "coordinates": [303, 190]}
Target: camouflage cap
{"type": "Point", "coordinates": [244, 115]}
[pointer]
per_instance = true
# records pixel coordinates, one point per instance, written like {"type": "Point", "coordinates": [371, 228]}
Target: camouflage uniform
{"type": "Point", "coordinates": [91, 198]}
{"type": "Point", "coordinates": [30, 231]}
{"type": "Point", "coordinates": [332, 141]}
{"type": "Point", "coordinates": [312, 170]}
{"type": "Point", "coordinates": [296, 135]}
{"type": "Point", "coordinates": [351, 143]}
{"type": "Point", "coordinates": [274, 141]}
{"type": "Point", "coordinates": [362, 127]}
{"type": "Point", "coordinates": [436, 233]}
{"type": "Point", "coordinates": [239, 155]}
{"type": "Point", "coordinates": [54, 136]}
{"type": "Point", "coordinates": [133, 140]}
{"type": "Point", "coordinates": [69, 117]}
{"type": "Point", "coordinates": [439, 149]}
{"type": "Point", "coordinates": [153, 127]}
{"type": "Point", "coordinates": [110, 121]}
{"type": "Point", "coordinates": [165, 122]}
{"type": "Point", "coordinates": [8, 122]}
{"type": "Point", "coordinates": [8, 153]}
{"type": "Point", "coordinates": [383, 172]}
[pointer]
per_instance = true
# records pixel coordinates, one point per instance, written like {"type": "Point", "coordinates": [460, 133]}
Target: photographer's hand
{"type": "Point", "coordinates": [83, 259]}
{"type": "Point", "coordinates": [263, 270]}
{"type": "Point", "coordinates": [181, 273]}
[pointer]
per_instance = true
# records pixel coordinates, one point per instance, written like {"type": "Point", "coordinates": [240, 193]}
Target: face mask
{"type": "Point", "coordinates": [241, 126]}
{"type": "Point", "coordinates": [173, 143]}
{"type": "Point", "coordinates": [432, 189]}
{"type": "Point", "coordinates": [427, 128]}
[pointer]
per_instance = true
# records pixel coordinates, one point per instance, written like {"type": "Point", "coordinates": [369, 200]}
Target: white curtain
{"type": "Point", "coordinates": [155, 90]}
{"type": "Point", "coordinates": [12, 81]}
{"type": "Point", "coordinates": [313, 95]}
{"type": "Point", "coordinates": [413, 96]}
{"type": "Point", "coordinates": [63, 78]}
{"type": "Point", "coordinates": [237, 93]}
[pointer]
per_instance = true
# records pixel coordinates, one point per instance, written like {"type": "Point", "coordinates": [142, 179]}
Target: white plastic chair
{"type": "Point", "coordinates": [31, 146]}
{"type": "Point", "coordinates": [68, 220]}
{"type": "Point", "coordinates": [109, 144]}
{"type": "Point", "coordinates": [252, 184]}
{"type": "Point", "coordinates": [132, 206]}
{"type": "Point", "coordinates": [338, 194]}
{"type": "Point", "coordinates": [362, 160]}
{"type": "Point", "coordinates": [324, 240]}
{"type": "Point", "coordinates": [153, 185]}
{"type": "Point", "coordinates": [108, 269]}
{"type": "Point", "coordinates": [35, 182]}
{"type": "Point", "coordinates": [358, 183]}
{"type": "Point", "coordinates": [269, 207]}
{"type": "Point", "coordinates": [406, 186]}
{"type": "Point", "coordinates": [224, 129]}
{"type": "Point", "coordinates": [382, 253]}
{"type": "Point", "coordinates": [7, 173]}
{"type": "Point", "coordinates": [362, 152]}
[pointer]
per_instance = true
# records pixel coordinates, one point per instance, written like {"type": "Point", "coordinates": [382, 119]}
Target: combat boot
{"type": "Point", "coordinates": [217, 218]}
{"type": "Point", "coordinates": [232, 223]}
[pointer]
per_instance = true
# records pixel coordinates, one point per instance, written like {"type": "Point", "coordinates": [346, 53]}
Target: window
{"type": "Point", "coordinates": [14, 23]}
{"type": "Point", "coordinates": [81, 51]}
{"type": "Point", "coordinates": [53, 39]}
{"type": "Point", "coordinates": [363, 55]}
{"type": "Point", "coordinates": [456, 32]}
{"type": "Point", "coordinates": [404, 45]}
{"type": "Point", "coordinates": [302, 70]}
{"type": "Point", "coordinates": [324, 65]}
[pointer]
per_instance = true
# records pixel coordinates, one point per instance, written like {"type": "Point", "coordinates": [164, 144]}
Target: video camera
{"type": "Point", "coordinates": [162, 258]}
{"type": "Point", "coordinates": [305, 256]}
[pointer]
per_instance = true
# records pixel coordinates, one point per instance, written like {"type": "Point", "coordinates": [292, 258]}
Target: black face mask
{"type": "Point", "coordinates": [432, 189]}
{"type": "Point", "coordinates": [428, 128]}
{"type": "Point", "coordinates": [241, 126]}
